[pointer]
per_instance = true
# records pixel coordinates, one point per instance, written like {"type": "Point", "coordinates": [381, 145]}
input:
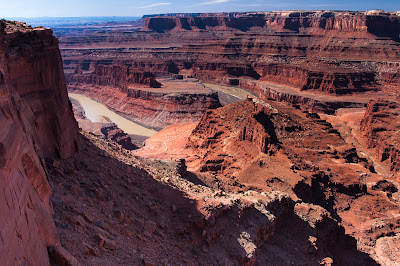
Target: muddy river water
{"type": "Point", "coordinates": [95, 110]}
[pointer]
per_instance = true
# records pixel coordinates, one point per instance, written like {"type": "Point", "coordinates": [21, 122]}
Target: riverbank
{"type": "Point", "coordinates": [95, 112]}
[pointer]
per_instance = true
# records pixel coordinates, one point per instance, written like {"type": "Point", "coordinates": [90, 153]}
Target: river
{"type": "Point", "coordinates": [94, 110]}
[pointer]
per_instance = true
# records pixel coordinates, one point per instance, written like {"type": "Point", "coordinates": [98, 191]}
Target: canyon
{"type": "Point", "coordinates": [320, 61]}
{"type": "Point", "coordinates": [252, 138]}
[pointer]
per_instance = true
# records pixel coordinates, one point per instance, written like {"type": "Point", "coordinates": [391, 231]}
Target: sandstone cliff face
{"type": "Point", "coordinates": [153, 109]}
{"type": "Point", "coordinates": [289, 20]}
{"type": "Point", "coordinates": [128, 90]}
{"type": "Point", "coordinates": [380, 126]}
{"type": "Point", "coordinates": [116, 76]}
{"type": "Point", "coordinates": [246, 127]}
{"type": "Point", "coordinates": [331, 82]}
{"type": "Point", "coordinates": [37, 124]}
{"type": "Point", "coordinates": [319, 52]}
{"type": "Point", "coordinates": [117, 135]}
{"type": "Point", "coordinates": [36, 73]}
{"type": "Point", "coordinates": [303, 102]}
{"type": "Point", "coordinates": [164, 24]}
{"type": "Point", "coordinates": [339, 83]}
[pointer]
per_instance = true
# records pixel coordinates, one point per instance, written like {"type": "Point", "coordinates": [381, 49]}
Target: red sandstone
{"type": "Point", "coordinates": [37, 124]}
{"type": "Point", "coordinates": [269, 182]}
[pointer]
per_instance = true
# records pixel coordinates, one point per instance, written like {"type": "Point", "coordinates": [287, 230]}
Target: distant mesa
{"type": "Point", "coordinates": [372, 21]}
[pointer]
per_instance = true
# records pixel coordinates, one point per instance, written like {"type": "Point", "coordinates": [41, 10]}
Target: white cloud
{"type": "Point", "coordinates": [158, 4]}
{"type": "Point", "coordinates": [215, 2]}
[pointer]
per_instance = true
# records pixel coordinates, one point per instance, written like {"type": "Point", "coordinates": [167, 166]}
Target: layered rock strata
{"type": "Point", "coordinates": [116, 76]}
{"type": "Point", "coordinates": [381, 127]}
{"type": "Point", "coordinates": [247, 129]}
{"type": "Point", "coordinates": [361, 22]}
{"type": "Point", "coordinates": [117, 135]}
{"type": "Point", "coordinates": [354, 54]}
{"type": "Point", "coordinates": [150, 107]}
{"type": "Point", "coordinates": [167, 219]}
{"type": "Point", "coordinates": [297, 152]}
{"type": "Point", "coordinates": [37, 125]}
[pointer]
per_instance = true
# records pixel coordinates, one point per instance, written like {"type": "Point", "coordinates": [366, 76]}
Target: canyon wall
{"type": "Point", "coordinates": [325, 81]}
{"type": "Point", "coordinates": [380, 126]}
{"type": "Point", "coordinates": [116, 76]}
{"type": "Point", "coordinates": [37, 125]}
{"type": "Point", "coordinates": [151, 108]}
{"type": "Point", "coordinates": [310, 54]}
{"type": "Point", "coordinates": [338, 83]}
{"type": "Point", "coordinates": [304, 102]}
{"type": "Point", "coordinates": [136, 94]}
{"type": "Point", "coordinates": [244, 127]}
{"type": "Point", "coordinates": [367, 22]}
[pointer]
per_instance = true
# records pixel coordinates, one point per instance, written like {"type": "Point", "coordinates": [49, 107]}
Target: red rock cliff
{"type": "Point", "coordinates": [246, 126]}
{"type": "Point", "coordinates": [152, 109]}
{"type": "Point", "coordinates": [115, 76]}
{"type": "Point", "coordinates": [36, 124]}
{"type": "Point", "coordinates": [381, 24]}
{"type": "Point", "coordinates": [380, 126]}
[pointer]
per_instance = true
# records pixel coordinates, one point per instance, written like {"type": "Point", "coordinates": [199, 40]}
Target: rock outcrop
{"type": "Point", "coordinates": [308, 54]}
{"type": "Point", "coordinates": [382, 24]}
{"type": "Point", "coordinates": [380, 126]}
{"type": "Point", "coordinates": [153, 108]}
{"type": "Point", "coordinates": [304, 102]}
{"type": "Point", "coordinates": [115, 76]}
{"type": "Point", "coordinates": [37, 125]}
{"type": "Point", "coordinates": [159, 217]}
{"type": "Point", "coordinates": [245, 128]}
{"type": "Point", "coordinates": [117, 135]}
{"type": "Point", "coordinates": [297, 152]}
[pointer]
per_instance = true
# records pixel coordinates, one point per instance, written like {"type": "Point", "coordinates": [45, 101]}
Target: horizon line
{"type": "Point", "coordinates": [222, 12]}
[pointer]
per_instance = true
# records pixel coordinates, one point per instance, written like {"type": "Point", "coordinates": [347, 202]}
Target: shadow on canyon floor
{"type": "Point", "coordinates": [295, 236]}
{"type": "Point", "coordinates": [113, 208]}
{"type": "Point", "coordinates": [191, 177]}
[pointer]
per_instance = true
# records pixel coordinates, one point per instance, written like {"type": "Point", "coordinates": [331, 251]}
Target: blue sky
{"type": "Point", "coordinates": [70, 8]}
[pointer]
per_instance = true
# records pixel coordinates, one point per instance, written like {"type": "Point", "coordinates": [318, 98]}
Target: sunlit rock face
{"type": "Point", "coordinates": [37, 124]}
{"type": "Point", "coordinates": [381, 126]}
{"type": "Point", "coordinates": [340, 53]}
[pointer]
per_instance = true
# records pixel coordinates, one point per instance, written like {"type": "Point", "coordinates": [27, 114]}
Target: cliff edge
{"type": "Point", "coordinates": [37, 125]}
